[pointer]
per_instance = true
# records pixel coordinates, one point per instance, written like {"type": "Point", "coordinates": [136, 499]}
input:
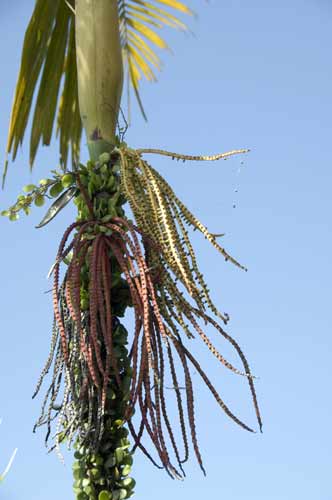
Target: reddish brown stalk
{"type": "Point", "coordinates": [161, 397]}
{"type": "Point", "coordinates": [180, 347]}
{"type": "Point", "coordinates": [163, 402]}
{"type": "Point", "coordinates": [138, 444]}
{"type": "Point", "coordinates": [209, 344]}
{"type": "Point", "coordinates": [149, 410]}
{"type": "Point", "coordinates": [244, 362]}
{"type": "Point", "coordinates": [190, 402]}
{"type": "Point", "coordinates": [57, 314]}
{"type": "Point", "coordinates": [144, 293]}
{"type": "Point", "coordinates": [179, 403]}
{"type": "Point", "coordinates": [134, 357]}
{"type": "Point", "coordinates": [144, 301]}
{"type": "Point", "coordinates": [74, 272]}
{"type": "Point", "coordinates": [108, 334]}
{"type": "Point", "coordinates": [93, 301]}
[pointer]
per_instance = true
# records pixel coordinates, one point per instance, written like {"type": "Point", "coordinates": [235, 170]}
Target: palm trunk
{"type": "Point", "coordinates": [100, 71]}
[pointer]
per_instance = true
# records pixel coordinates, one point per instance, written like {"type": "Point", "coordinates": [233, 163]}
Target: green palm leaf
{"type": "Point", "coordinates": [48, 68]}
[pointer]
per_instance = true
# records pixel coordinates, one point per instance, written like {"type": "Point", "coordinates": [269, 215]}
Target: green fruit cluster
{"type": "Point", "coordinates": [108, 470]}
{"type": "Point", "coordinates": [47, 188]}
{"type": "Point", "coordinates": [101, 182]}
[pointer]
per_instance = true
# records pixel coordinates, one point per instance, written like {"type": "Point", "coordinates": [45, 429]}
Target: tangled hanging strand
{"type": "Point", "coordinates": [154, 258]}
{"type": "Point", "coordinates": [85, 346]}
{"type": "Point", "coordinates": [162, 216]}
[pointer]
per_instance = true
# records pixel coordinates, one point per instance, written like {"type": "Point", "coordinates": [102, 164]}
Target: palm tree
{"type": "Point", "coordinates": [76, 56]}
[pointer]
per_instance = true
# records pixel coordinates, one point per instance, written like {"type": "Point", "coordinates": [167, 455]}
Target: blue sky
{"type": "Point", "coordinates": [256, 74]}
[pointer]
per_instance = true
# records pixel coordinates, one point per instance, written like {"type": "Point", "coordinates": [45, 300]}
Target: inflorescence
{"type": "Point", "coordinates": [105, 378]}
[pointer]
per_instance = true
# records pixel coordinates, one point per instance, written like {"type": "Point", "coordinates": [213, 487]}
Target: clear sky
{"type": "Point", "coordinates": [256, 74]}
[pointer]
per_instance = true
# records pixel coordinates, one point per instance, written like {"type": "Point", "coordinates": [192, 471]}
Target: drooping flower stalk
{"type": "Point", "coordinates": [113, 263]}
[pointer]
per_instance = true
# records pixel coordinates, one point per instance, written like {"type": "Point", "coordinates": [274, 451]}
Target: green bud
{"type": "Point", "coordinates": [5, 213]}
{"type": "Point", "coordinates": [67, 180]}
{"type": "Point", "coordinates": [56, 189]}
{"type": "Point", "coordinates": [104, 495]}
{"type": "Point", "coordinates": [104, 158]}
{"type": "Point", "coordinates": [104, 170]}
{"type": "Point", "coordinates": [95, 473]}
{"type": "Point", "coordinates": [82, 496]}
{"type": "Point", "coordinates": [97, 180]}
{"type": "Point", "coordinates": [13, 216]}
{"type": "Point", "coordinates": [84, 304]}
{"type": "Point", "coordinates": [118, 422]}
{"type": "Point", "coordinates": [67, 260]}
{"type": "Point", "coordinates": [122, 494]}
{"type": "Point", "coordinates": [44, 182]}
{"type": "Point", "coordinates": [128, 482]}
{"type": "Point", "coordinates": [90, 491]}
{"type": "Point", "coordinates": [126, 470]}
{"type": "Point", "coordinates": [119, 455]}
{"type": "Point", "coordinates": [78, 484]}
{"type": "Point", "coordinates": [116, 473]}
{"type": "Point", "coordinates": [98, 461]}
{"type": "Point", "coordinates": [111, 182]}
{"type": "Point", "coordinates": [28, 188]}
{"type": "Point", "coordinates": [86, 481]}
{"type": "Point", "coordinates": [39, 200]}
{"type": "Point", "coordinates": [78, 474]}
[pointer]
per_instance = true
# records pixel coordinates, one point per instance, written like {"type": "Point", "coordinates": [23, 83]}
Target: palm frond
{"type": "Point", "coordinates": [48, 68]}
{"type": "Point", "coordinates": [69, 120]}
{"type": "Point", "coordinates": [42, 67]}
{"type": "Point", "coordinates": [139, 22]}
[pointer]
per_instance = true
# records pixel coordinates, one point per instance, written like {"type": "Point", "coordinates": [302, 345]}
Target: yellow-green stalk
{"type": "Point", "coordinates": [99, 70]}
